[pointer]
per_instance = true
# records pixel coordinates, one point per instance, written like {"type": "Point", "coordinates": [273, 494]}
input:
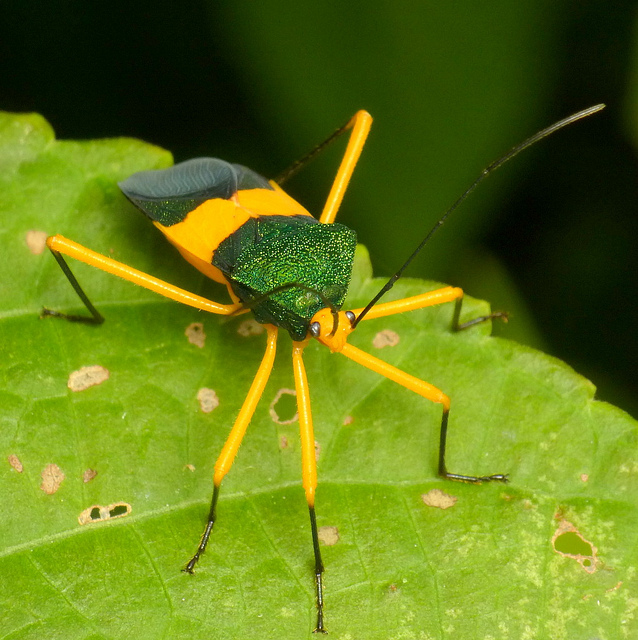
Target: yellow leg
{"type": "Point", "coordinates": [348, 320]}
{"type": "Point", "coordinates": [428, 299]}
{"type": "Point", "coordinates": [360, 125]}
{"type": "Point", "coordinates": [58, 244]}
{"type": "Point", "coordinates": [231, 446]}
{"type": "Point", "coordinates": [425, 390]}
{"type": "Point", "coordinates": [421, 387]}
{"type": "Point", "coordinates": [308, 467]}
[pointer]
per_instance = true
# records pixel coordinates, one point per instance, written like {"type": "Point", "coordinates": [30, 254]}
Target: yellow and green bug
{"type": "Point", "coordinates": [290, 270]}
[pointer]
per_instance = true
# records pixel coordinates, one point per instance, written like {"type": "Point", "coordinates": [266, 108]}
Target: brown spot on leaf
{"type": "Point", "coordinates": [88, 475]}
{"type": "Point", "coordinates": [14, 461]}
{"type": "Point", "coordinates": [208, 399]}
{"type": "Point", "coordinates": [87, 377]}
{"type": "Point", "coordinates": [584, 477]}
{"type": "Point", "coordinates": [385, 338]}
{"type": "Point", "coordinates": [317, 451]}
{"type": "Point", "coordinates": [348, 420]}
{"type": "Point", "coordinates": [98, 513]}
{"type": "Point", "coordinates": [36, 241]}
{"type": "Point", "coordinates": [439, 499]}
{"type": "Point", "coordinates": [328, 536]}
{"type": "Point", "coordinates": [195, 334]}
{"type": "Point", "coordinates": [52, 478]}
{"type": "Point", "coordinates": [283, 442]}
{"type": "Point", "coordinates": [568, 542]}
{"type": "Point", "coordinates": [190, 467]}
{"type": "Point", "coordinates": [250, 328]}
{"type": "Point", "coordinates": [273, 411]}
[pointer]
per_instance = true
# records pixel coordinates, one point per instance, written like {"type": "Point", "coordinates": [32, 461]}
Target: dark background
{"type": "Point", "coordinates": [550, 237]}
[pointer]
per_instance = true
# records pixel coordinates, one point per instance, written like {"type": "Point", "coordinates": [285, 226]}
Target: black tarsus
{"type": "Point", "coordinates": [456, 326]}
{"type": "Point", "coordinates": [318, 571]}
{"type": "Point", "coordinates": [212, 516]}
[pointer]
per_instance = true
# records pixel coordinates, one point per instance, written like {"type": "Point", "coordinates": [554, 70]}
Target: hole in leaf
{"type": "Point", "coordinates": [568, 542]}
{"type": "Point", "coordinates": [283, 408]}
{"type": "Point", "coordinates": [572, 544]}
{"type": "Point", "coordinates": [98, 513]}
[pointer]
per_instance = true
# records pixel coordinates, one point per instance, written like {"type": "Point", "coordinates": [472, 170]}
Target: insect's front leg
{"type": "Point", "coordinates": [231, 446]}
{"type": "Point", "coordinates": [309, 469]}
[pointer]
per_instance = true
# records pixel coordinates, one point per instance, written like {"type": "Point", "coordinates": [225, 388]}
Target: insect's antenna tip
{"type": "Point", "coordinates": [486, 172]}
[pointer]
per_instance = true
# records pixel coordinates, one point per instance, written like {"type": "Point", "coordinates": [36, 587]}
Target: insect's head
{"type": "Point", "coordinates": [332, 328]}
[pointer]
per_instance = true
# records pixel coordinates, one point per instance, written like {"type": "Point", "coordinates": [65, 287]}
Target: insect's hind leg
{"type": "Point", "coordinates": [95, 318]}
{"type": "Point", "coordinates": [61, 245]}
{"type": "Point", "coordinates": [360, 126]}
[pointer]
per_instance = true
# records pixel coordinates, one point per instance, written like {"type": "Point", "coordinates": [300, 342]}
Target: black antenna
{"type": "Point", "coordinates": [486, 172]}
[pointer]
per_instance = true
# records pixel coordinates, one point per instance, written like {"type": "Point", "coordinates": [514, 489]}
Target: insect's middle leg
{"type": "Point", "coordinates": [426, 390]}
{"type": "Point", "coordinates": [231, 446]}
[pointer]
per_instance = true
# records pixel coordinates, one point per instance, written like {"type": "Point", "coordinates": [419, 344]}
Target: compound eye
{"type": "Point", "coordinates": [315, 329]}
{"type": "Point", "coordinates": [351, 317]}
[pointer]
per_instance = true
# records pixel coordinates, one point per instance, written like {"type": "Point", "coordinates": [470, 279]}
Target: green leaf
{"type": "Point", "coordinates": [502, 562]}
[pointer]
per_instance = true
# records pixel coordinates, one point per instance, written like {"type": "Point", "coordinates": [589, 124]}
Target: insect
{"type": "Point", "coordinates": [290, 270]}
